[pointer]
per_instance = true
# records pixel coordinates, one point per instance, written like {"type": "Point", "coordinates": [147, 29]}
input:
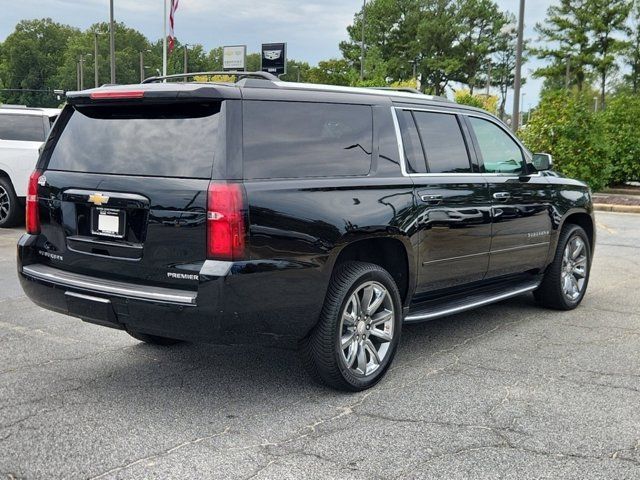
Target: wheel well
{"type": "Point", "coordinates": [582, 220]}
{"type": "Point", "coordinates": [388, 253]}
{"type": "Point", "coordinates": [5, 175]}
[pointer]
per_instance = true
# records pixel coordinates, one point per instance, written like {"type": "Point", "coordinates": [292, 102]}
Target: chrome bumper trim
{"type": "Point", "coordinates": [109, 287]}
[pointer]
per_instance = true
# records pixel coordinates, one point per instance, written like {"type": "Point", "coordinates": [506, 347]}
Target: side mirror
{"type": "Point", "coordinates": [542, 161]}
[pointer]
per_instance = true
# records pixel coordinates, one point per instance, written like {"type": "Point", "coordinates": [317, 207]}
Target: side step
{"type": "Point", "coordinates": [460, 303]}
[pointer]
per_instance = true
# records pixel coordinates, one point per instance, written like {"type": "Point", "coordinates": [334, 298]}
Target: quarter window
{"type": "Point", "coordinates": [25, 128]}
{"type": "Point", "coordinates": [295, 139]}
{"type": "Point", "coordinates": [443, 143]}
{"type": "Point", "coordinates": [500, 153]}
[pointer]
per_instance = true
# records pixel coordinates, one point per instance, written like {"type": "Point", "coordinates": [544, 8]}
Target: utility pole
{"type": "Point", "coordinates": [186, 65]}
{"type": "Point", "coordinates": [364, 19]}
{"type": "Point", "coordinates": [141, 67]}
{"type": "Point", "coordinates": [81, 63]}
{"type": "Point", "coordinates": [517, 82]}
{"type": "Point", "coordinates": [567, 80]}
{"type": "Point", "coordinates": [95, 59]}
{"type": "Point", "coordinates": [112, 42]}
{"type": "Point", "coordinates": [489, 79]}
{"type": "Point", "coordinates": [78, 75]}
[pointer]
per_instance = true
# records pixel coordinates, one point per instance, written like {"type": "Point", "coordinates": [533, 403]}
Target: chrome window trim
{"type": "Point", "coordinates": [403, 159]}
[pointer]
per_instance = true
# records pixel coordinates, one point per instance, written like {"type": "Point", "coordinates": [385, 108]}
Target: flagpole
{"type": "Point", "coordinates": [164, 41]}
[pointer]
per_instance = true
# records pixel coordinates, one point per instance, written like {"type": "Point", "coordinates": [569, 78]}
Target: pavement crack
{"type": "Point", "coordinates": [162, 453]}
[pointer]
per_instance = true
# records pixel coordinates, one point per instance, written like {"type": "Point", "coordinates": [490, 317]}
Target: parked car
{"type": "Point", "coordinates": [22, 132]}
{"type": "Point", "coordinates": [303, 215]}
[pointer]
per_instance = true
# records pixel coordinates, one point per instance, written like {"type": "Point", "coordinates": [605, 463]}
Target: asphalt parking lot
{"type": "Point", "coordinates": [507, 391]}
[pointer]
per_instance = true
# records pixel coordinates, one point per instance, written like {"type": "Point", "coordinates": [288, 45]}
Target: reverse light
{"type": "Point", "coordinates": [32, 216]}
{"type": "Point", "coordinates": [116, 94]}
{"type": "Point", "coordinates": [225, 221]}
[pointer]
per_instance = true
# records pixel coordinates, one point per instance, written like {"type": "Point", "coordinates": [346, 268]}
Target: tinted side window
{"type": "Point", "coordinates": [443, 143]}
{"type": "Point", "coordinates": [291, 140]}
{"type": "Point", "coordinates": [26, 128]}
{"type": "Point", "coordinates": [500, 153]}
{"type": "Point", "coordinates": [411, 141]}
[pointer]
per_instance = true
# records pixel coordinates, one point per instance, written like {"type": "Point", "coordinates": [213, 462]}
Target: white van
{"type": "Point", "coordinates": [22, 132]}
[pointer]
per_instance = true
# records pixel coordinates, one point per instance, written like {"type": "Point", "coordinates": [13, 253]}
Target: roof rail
{"type": "Point", "coordinates": [9, 105]}
{"type": "Point", "coordinates": [239, 74]}
{"type": "Point", "coordinates": [399, 89]}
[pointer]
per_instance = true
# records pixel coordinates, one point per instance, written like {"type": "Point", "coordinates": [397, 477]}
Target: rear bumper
{"type": "Point", "coordinates": [236, 302]}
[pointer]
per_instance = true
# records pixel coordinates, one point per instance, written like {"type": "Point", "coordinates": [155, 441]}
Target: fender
{"type": "Point", "coordinates": [377, 234]}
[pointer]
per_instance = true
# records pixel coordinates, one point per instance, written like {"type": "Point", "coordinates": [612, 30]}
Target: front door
{"type": "Point", "coordinates": [453, 208]}
{"type": "Point", "coordinates": [520, 202]}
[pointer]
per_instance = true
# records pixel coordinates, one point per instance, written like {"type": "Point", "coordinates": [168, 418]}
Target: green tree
{"type": "Point", "coordinates": [631, 54]}
{"type": "Point", "coordinates": [390, 31]}
{"type": "Point", "coordinates": [129, 43]}
{"type": "Point", "coordinates": [504, 62]}
{"type": "Point", "coordinates": [607, 18]}
{"type": "Point", "coordinates": [437, 47]}
{"type": "Point", "coordinates": [565, 40]}
{"type": "Point", "coordinates": [480, 25]}
{"type": "Point", "coordinates": [332, 72]}
{"type": "Point", "coordinates": [29, 59]}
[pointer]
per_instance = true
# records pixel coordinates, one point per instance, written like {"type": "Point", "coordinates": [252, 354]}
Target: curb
{"type": "Point", "coordinates": [602, 207]}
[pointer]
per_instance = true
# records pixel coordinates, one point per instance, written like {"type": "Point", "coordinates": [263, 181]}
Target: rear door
{"type": "Point", "coordinates": [125, 189]}
{"type": "Point", "coordinates": [452, 198]}
{"type": "Point", "coordinates": [520, 201]}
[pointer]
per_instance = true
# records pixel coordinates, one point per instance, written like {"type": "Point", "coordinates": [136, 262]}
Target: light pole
{"type": "Point", "coordinates": [81, 69]}
{"type": "Point", "coordinates": [186, 65]}
{"type": "Point", "coordinates": [489, 79]}
{"type": "Point", "coordinates": [96, 70]}
{"type": "Point", "coordinates": [522, 108]}
{"type": "Point", "coordinates": [517, 82]}
{"type": "Point", "coordinates": [142, 67]}
{"type": "Point", "coordinates": [364, 19]}
{"type": "Point", "coordinates": [112, 43]}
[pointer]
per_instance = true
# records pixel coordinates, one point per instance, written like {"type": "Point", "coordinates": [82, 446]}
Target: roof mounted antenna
{"type": "Point", "coordinates": [239, 74]}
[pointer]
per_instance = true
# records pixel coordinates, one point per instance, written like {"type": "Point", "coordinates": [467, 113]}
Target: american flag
{"type": "Point", "coordinates": [172, 13]}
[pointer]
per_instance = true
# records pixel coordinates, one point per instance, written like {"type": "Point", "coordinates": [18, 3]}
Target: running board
{"type": "Point", "coordinates": [442, 308]}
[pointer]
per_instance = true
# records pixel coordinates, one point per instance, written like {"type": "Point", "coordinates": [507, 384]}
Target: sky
{"type": "Point", "coordinates": [312, 29]}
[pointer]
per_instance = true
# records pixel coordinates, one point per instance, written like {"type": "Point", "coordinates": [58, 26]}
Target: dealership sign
{"type": "Point", "coordinates": [274, 58]}
{"type": "Point", "coordinates": [234, 57]}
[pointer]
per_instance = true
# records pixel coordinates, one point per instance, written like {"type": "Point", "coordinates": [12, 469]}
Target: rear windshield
{"type": "Point", "coordinates": [174, 140]}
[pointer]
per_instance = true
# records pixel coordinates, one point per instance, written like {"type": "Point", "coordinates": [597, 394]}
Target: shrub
{"type": "Point", "coordinates": [566, 126]}
{"type": "Point", "coordinates": [622, 128]}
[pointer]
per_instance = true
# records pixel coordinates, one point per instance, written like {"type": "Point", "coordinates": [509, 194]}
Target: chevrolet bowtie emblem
{"type": "Point", "coordinates": [98, 199]}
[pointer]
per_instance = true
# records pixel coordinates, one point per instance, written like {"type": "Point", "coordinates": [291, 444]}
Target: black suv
{"type": "Point", "coordinates": [293, 214]}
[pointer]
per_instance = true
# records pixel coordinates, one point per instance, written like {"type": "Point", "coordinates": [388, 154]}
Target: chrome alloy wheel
{"type": "Point", "coordinates": [366, 328]}
{"type": "Point", "coordinates": [5, 204]}
{"type": "Point", "coordinates": [574, 268]}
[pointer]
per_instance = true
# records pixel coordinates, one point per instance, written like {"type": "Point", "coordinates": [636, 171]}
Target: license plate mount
{"type": "Point", "coordinates": [108, 222]}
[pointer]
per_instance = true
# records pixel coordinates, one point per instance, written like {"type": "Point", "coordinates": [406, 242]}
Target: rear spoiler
{"type": "Point", "coordinates": [153, 92]}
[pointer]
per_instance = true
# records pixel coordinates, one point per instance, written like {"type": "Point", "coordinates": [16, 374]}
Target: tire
{"type": "Point", "coordinates": [10, 206]}
{"type": "Point", "coordinates": [153, 339]}
{"type": "Point", "coordinates": [552, 292]}
{"type": "Point", "coordinates": [355, 367]}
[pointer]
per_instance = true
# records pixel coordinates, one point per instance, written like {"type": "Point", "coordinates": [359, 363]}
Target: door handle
{"type": "Point", "coordinates": [431, 199]}
{"type": "Point", "coordinates": [502, 195]}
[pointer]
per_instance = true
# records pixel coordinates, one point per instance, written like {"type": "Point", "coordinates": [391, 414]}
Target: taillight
{"type": "Point", "coordinates": [225, 221]}
{"type": "Point", "coordinates": [32, 215]}
{"type": "Point", "coordinates": [116, 94]}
